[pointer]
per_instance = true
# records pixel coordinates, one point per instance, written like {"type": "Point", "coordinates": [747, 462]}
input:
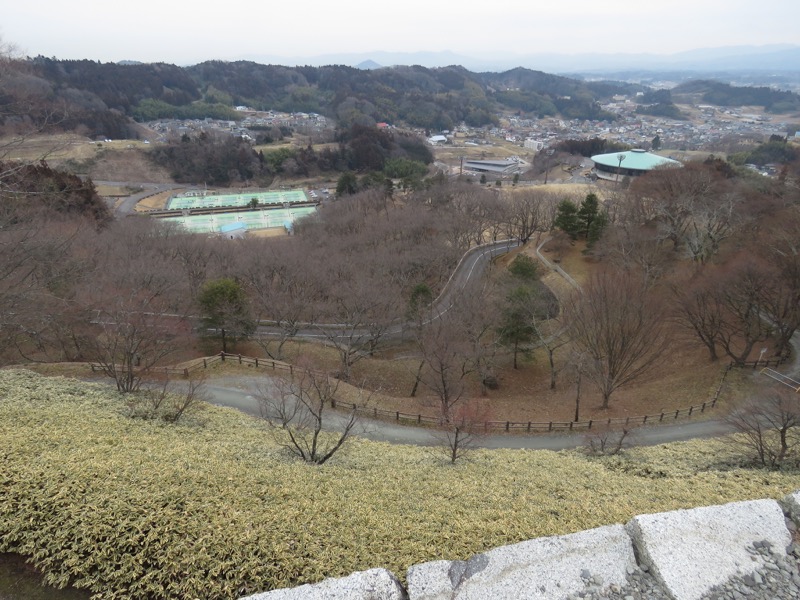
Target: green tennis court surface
{"type": "Point", "coordinates": [252, 219]}
{"type": "Point", "coordinates": [237, 200]}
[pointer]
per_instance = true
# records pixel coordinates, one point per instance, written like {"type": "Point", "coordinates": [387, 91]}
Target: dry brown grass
{"type": "Point", "coordinates": [683, 378]}
{"type": "Point", "coordinates": [55, 148]}
{"type": "Point", "coordinates": [120, 163]}
{"type": "Point", "coordinates": [157, 201]}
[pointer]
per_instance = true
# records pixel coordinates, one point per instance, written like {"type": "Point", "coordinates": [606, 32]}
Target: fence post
{"type": "Point", "coordinates": [240, 359]}
{"type": "Point", "coordinates": [508, 423]}
{"type": "Point", "coordinates": [529, 426]}
{"type": "Point", "coordinates": [256, 362]}
{"type": "Point", "coordinates": [691, 408]}
{"type": "Point", "coordinates": [397, 416]}
{"type": "Point", "coordinates": [419, 419]}
{"type": "Point", "coordinates": [375, 411]}
{"type": "Point", "coordinates": [333, 402]}
{"type": "Point", "coordinates": [291, 370]}
{"type": "Point", "coordinates": [677, 412]}
{"type": "Point", "coordinates": [590, 423]}
{"type": "Point", "coordinates": [550, 427]}
{"type": "Point", "coordinates": [703, 407]}
{"type": "Point", "coordinates": [609, 422]}
{"type": "Point", "coordinates": [644, 420]}
{"type": "Point", "coordinates": [222, 356]}
{"type": "Point", "coordinates": [205, 364]}
{"type": "Point", "coordinates": [186, 373]}
{"type": "Point", "coordinates": [570, 425]}
{"type": "Point", "coordinates": [661, 418]}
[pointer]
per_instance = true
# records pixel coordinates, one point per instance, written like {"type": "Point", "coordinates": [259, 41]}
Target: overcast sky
{"type": "Point", "coordinates": [189, 32]}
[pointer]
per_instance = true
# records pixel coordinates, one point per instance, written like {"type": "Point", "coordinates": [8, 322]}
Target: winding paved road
{"type": "Point", "coordinates": [242, 392]}
{"type": "Point", "coordinates": [470, 268]}
{"type": "Point", "coordinates": [127, 206]}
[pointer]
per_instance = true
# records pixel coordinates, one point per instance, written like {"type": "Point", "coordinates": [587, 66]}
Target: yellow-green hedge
{"type": "Point", "coordinates": [131, 508]}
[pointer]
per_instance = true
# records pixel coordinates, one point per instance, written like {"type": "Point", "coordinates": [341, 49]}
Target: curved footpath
{"type": "Point", "coordinates": [242, 392]}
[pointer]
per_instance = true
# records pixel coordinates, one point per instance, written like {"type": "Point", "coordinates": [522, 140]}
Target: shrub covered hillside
{"type": "Point", "coordinates": [131, 508]}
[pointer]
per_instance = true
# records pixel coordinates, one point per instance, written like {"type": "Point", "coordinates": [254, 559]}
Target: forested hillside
{"type": "Point", "coordinates": [723, 94]}
{"type": "Point", "coordinates": [429, 98]}
{"type": "Point", "coordinates": [99, 98]}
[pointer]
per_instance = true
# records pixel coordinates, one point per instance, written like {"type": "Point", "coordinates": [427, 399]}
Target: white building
{"type": "Point", "coordinates": [532, 144]}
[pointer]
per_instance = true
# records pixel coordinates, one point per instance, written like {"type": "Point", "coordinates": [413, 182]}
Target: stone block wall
{"type": "Point", "coordinates": [732, 551]}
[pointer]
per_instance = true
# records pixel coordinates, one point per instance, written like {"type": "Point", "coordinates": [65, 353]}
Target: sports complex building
{"type": "Point", "coordinates": [630, 163]}
{"type": "Point", "coordinates": [496, 167]}
{"type": "Point", "coordinates": [232, 215]}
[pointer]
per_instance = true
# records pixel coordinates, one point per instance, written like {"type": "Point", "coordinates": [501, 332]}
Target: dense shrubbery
{"type": "Point", "coordinates": [133, 508]}
{"type": "Point", "coordinates": [724, 94]}
{"type": "Point", "coordinates": [215, 160]}
{"type": "Point", "coordinates": [36, 186]}
{"type": "Point", "coordinates": [590, 147]}
{"type": "Point", "coordinates": [662, 109]}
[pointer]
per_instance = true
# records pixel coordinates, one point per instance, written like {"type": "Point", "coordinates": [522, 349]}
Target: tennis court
{"type": "Point", "coordinates": [252, 219]}
{"type": "Point", "coordinates": [237, 200]}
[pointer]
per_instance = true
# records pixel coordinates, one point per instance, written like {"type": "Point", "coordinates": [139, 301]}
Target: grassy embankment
{"type": "Point", "coordinates": [211, 508]}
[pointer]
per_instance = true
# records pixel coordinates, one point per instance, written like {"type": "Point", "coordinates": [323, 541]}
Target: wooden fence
{"type": "Point", "coordinates": [760, 364]}
{"type": "Point", "coordinates": [487, 426]}
{"type": "Point", "coordinates": [546, 426]}
{"type": "Point", "coordinates": [205, 362]}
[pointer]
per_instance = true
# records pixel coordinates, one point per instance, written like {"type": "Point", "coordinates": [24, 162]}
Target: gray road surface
{"type": "Point", "coordinates": [241, 393]}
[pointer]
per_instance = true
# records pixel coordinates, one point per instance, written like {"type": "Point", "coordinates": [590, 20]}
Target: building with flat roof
{"type": "Point", "coordinates": [498, 167]}
{"type": "Point", "coordinates": [630, 163]}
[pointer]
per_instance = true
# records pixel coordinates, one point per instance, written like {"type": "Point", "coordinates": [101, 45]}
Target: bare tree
{"type": "Point", "coordinates": [477, 207]}
{"type": "Point", "coordinates": [447, 362]}
{"type": "Point", "coordinates": [741, 290]}
{"type": "Point", "coordinates": [670, 197]}
{"type": "Point", "coordinates": [620, 326]}
{"type": "Point", "coordinates": [475, 314]}
{"type": "Point", "coordinates": [782, 253]}
{"type": "Point", "coordinates": [464, 432]}
{"type": "Point", "coordinates": [301, 417]}
{"type": "Point", "coordinates": [736, 306]}
{"type": "Point", "coordinates": [168, 401]}
{"type": "Point", "coordinates": [284, 295]}
{"type": "Point", "coordinates": [526, 213]}
{"type": "Point", "coordinates": [768, 428]}
{"type": "Point", "coordinates": [193, 257]}
{"type": "Point", "coordinates": [137, 310]}
{"type": "Point", "coordinates": [699, 309]}
{"type": "Point", "coordinates": [358, 318]}
{"type": "Point", "coordinates": [713, 221]}
{"type": "Point", "coordinates": [629, 246]}
{"type": "Point", "coordinates": [608, 441]}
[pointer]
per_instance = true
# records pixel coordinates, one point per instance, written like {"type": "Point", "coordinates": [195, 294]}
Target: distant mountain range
{"type": "Point", "coordinates": [771, 58]}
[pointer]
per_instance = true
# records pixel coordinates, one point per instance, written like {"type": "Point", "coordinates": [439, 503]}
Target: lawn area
{"type": "Point", "coordinates": [213, 508]}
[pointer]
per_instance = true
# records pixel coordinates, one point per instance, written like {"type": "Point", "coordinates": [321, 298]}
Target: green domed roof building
{"type": "Point", "coordinates": [629, 163]}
